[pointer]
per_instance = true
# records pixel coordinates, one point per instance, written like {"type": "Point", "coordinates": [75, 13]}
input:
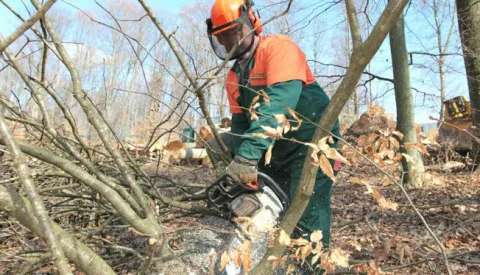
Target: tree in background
{"type": "Point", "coordinates": [413, 169]}
{"type": "Point", "coordinates": [469, 26]}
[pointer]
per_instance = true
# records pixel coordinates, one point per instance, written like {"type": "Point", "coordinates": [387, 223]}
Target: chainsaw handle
{"type": "Point", "coordinates": [266, 180]}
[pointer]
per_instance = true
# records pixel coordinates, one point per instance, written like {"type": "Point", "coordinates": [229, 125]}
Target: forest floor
{"type": "Point", "coordinates": [398, 241]}
{"type": "Point", "coordinates": [394, 241]}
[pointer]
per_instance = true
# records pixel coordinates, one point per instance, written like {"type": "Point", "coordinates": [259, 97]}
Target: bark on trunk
{"type": "Point", "coordinates": [469, 28]}
{"type": "Point", "coordinates": [413, 172]}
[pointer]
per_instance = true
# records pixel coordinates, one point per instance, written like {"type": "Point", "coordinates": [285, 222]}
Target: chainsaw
{"type": "Point", "coordinates": [232, 198]}
{"type": "Point", "coordinates": [259, 204]}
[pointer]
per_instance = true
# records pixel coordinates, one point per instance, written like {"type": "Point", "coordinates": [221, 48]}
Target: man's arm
{"type": "Point", "coordinates": [282, 96]}
{"type": "Point", "coordinates": [239, 126]}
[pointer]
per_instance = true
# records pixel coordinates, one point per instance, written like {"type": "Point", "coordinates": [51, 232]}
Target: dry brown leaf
{"type": "Point", "coordinates": [245, 252]}
{"type": "Point", "coordinates": [271, 132]}
{"type": "Point", "coordinates": [387, 182]}
{"type": "Point", "coordinates": [322, 144]}
{"type": "Point", "coordinates": [286, 127]}
{"type": "Point", "coordinates": [293, 114]}
{"type": "Point", "coordinates": [254, 116]}
{"type": "Point", "coordinates": [330, 140]}
{"type": "Point", "coordinates": [432, 136]}
{"type": "Point", "coordinates": [299, 242]}
{"type": "Point", "coordinates": [316, 236]}
{"type": "Point", "coordinates": [305, 251]}
{"type": "Point", "coordinates": [268, 154]}
{"type": "Point", "coordinates": [376, 194]}
{"type": "Point", "coordinates": [314, 146]}
{"type": "Point", "coordinates": [362, 141]}
{"type": "Point", "coordinates": [331, 153]}
{"type": "Point", "coordinates": [391, 154]}
{"type": "Point", "coordinates": [279, 130]}
{"type": "Point", "coordinates": [224, 261]}
{"type": "Point", "coordinates": [418, 146]}
{"type": "Point", "coordinates": [237, 257]}
{"type": "Point", "coordinates": [293, 129]}
{"type": "Point", "coordinates": [340, 257]}
{"type": "Point", "coordinates": [375, 110]}
{"type": "Point", "coordinates": [280, 118]}
{"type": "Point", "coordinates": [394, 142]}
{"type": "Point", "coordinates": [256, 105]}
{"type": "Point", "coordinates": [398, 134]}
{"type": "Point", "coordinates": [290, 269]}
{"type": "Point", "coordinates": [254, 100]}
{"type": "Point", "coordinates": [423, 149]}
{"type": "Point", "coordinates": [266, 99]}
{"type": "Point", "coordinates": [315, 258]}
{"type": "Point", "coordinates": [387, 204]}
{"type": "Point", "coordinates": [356, 180]}
{"type": "Point", "coordinates": [326, 167]}
{"type": "Point", "coordinates": [283, 260]}
{"type": "Point", "coordinates": [284, 239]}
{"type": "Point", "coordinates": [355, 245]}
{"type": "Point", "coordinates": [369, 150]}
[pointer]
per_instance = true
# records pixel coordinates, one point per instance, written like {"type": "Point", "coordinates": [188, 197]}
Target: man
{"type": "Point", "coordinates": [276, 65]}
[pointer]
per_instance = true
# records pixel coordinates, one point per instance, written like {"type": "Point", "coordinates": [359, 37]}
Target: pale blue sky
{"type": "Point", "coordinates": [417, 28]}
{"type": "Point", "coordinates": [8, 21]}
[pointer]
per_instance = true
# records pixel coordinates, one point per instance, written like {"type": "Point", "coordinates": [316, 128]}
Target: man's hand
{"type": "Point", "coordinates": [243, 169]}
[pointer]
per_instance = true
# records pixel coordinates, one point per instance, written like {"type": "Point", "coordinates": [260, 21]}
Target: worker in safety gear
{"type": "Point", "coordinates": [276, 65]}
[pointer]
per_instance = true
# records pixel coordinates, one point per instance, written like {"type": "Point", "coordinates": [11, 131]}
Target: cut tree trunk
{"type": "Point", "coordinates": [414, 170]}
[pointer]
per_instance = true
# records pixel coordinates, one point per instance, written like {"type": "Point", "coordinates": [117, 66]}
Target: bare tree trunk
{"type": "Point", "coordinates": [441, 58]}
{"type": "Point", "coordinates": [413, 172]}
{"type": "Point", "coordinates": [469, 27]}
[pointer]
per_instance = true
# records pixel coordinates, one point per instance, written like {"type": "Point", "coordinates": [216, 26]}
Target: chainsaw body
{"type": "Point", "coordinates": [227, 194]}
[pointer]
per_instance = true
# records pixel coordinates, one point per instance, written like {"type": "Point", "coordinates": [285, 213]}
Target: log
{"type": "Point", "coordinates": [189, 154]}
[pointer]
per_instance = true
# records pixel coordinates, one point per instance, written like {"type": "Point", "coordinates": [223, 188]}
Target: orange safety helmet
{"type": "Point", "coordinates": [226, 13]}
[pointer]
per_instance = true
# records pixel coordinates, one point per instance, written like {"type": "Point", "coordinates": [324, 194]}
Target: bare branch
{"type": "Point", "coordinates": [354, 25]}
{"type": "Point", "coordinates": [26, 25]}
{"type": "Point", "coordinates": [13, 204]}
{"type": "Point", "coordinates": [33, 196]}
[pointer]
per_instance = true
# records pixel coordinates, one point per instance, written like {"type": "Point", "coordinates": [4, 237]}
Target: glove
{"type": "Point", "coordinates": [243, 169]}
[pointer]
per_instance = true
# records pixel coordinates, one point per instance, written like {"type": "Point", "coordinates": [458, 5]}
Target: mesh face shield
{"type": "Point", "coordinates": [225, 37]}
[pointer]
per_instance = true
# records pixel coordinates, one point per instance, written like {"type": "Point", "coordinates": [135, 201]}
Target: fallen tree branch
{"type": "Point", "coordinates": [33, 195]}
{"type": "Point", "coordinates": [16, 206]}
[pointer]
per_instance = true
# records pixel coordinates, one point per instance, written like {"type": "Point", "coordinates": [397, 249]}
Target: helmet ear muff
{"type": "Point", "coordinates": [255, 20]}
